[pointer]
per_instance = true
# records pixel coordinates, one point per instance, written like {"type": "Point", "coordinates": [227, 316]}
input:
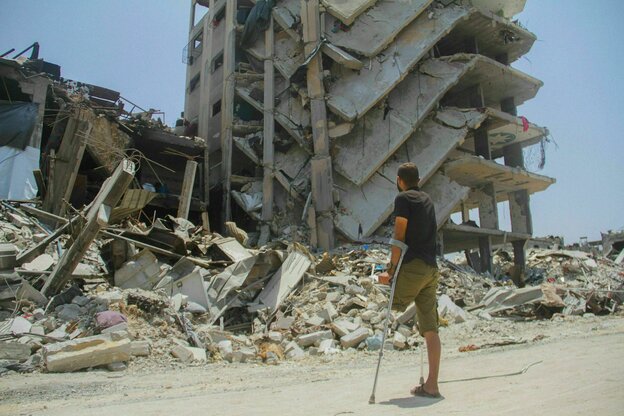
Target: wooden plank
{"type": "Point", "coordinates": [187, 189]}
{"type": "Point", "coordinates": [110, 193]}
{"type": "Point", "coordinates": [322, 180]}
{"type": "Point", "coordinates": [227, 106]}
{"type": "Point", "coordinates": [268, 150]}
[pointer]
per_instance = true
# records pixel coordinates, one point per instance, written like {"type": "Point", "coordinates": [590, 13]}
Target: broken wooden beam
{"type": "Point", "coordinates": [186, 194]}
{"type": "Point", "coordinates": [97, 217]}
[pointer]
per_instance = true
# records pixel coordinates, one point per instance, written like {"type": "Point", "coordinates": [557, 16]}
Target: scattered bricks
{"type": "Point", "coordinates": [379, 317]}
{"type": "Point", "coordinates": [342, 327]}
{"type": "Point", "coordinates": [140, 348]}
{"type": "Point", "coordinates": [14, 351]}
{"type": "Point", "coordinates": [85, 352]}
{"type": "Point", "coordinates": [316, 320]}
{"type": "Point", "coordinates": [368, 315]}
{"type": "Point", "coordinates": [276, 336]}
{"type": "Point", "coordinates": [355, 290]}
{"type": "Point", "coordinates": [311, 339]}
{"type": "Point", "coordinates": [333, 297]}
{"type": "Point", "coordinates": [354, 338]}
{"type": "Point", "coordinates": [407, 315]}
{"type": "Point", "coordinates": [189, 354]}
{"type": "Point", "coordinates": [353, 303]}
{"type": "Point", "coordinates": [329, 312]}
{"type": "Point", "coordinates": [399, 341]}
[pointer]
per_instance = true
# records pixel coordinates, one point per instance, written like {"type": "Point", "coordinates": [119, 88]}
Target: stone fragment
{"type": "Point", "coordinates": [316, 320]}
{"type": "Point", "coordinates": [225, 349]}
{"type": "Point", "coordinates": [243, 355]}
{"type": "Point", "coordinates": [117, 366]}
{"type": "Point", "coordinates": [20, 325]}
{"type": "Point", "coordinates": [140, 348]}
{"type": "Point", "coordinates": [311, 339]}
{"type": "Point", "coordinates": [399, 341]}
{"type": "Point", "coordinates": [68, 312]}
{"type": "Point", "coordinates": [189, 354]}
{"type": "Point", "coordinates": [333, 297]}
{"type": "Point", "coordinates": [407, 315]}
{"type": "Point", "coordinates": [329, 312]}
{"type": "Point", "coordinates": [355, 290]}
{"type": "Point", "coordinates": [85, 352]}
{"type": "Point", "coordinates": [115, 328]}
{"type": "Point", "coordinates": [354, 338]}
{"type": "Point", "coordinates": [293, 351]}
{"type": "Point", "coordinates": [276, 336]}
{"type": "Point", "coordinates": [14, 351]}
{"type": "Point", "coordinates": [284, 322]}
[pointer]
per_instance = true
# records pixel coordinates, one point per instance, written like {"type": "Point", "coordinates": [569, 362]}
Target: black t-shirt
{"type": "Point", "coordinates": [421, 233]}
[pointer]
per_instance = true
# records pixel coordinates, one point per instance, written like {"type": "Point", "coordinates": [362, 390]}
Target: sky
{"type": "Point", "coordinates": [135, 47]}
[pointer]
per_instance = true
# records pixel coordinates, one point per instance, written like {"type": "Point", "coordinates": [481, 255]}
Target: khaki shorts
{"type": "Point", "coordinates": [418, 282]}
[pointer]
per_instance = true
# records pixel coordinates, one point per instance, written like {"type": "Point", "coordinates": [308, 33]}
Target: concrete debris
{"type": "Point", "coordinates": [214, 299]}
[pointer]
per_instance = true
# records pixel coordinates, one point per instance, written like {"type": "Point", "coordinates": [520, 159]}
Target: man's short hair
{"type": "Point", "coordinates": [408, 172]}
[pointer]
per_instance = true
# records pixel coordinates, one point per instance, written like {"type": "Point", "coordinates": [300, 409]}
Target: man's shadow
{"type": "Point", "coordinates": [412, 402]}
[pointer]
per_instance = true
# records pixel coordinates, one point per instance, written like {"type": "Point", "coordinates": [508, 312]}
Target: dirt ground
{"type": "Point", "coordinates": [580, 370]}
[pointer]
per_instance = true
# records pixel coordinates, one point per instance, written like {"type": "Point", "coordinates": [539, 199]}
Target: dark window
{"type": "Point", "coordinates": [216, 108]}
{"type": "Point", "coordinates": [194, 82]}
{"type": "Point", "coordinates": [217, 62]}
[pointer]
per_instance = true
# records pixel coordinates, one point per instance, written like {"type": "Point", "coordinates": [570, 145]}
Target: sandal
{"type": "Point", "coordinates": [421, 392]}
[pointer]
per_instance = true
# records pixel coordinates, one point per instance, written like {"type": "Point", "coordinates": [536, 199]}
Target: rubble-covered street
{"type": "Point", "coordinates": [250, 245]}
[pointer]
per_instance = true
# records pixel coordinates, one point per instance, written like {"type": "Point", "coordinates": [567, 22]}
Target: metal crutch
{"type": "Point", "coordinates": [403, 247]}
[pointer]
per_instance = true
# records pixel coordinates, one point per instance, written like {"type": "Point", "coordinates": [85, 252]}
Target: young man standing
{"type": "Point", "coordinates": [415, 224]}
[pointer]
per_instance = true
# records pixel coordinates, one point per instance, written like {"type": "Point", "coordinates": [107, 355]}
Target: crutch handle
{"type": "Point", "coordinates": [399, 244]}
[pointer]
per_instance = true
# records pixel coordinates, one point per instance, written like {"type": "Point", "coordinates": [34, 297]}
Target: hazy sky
{"type": "Point", "coordinates": [135, 47]}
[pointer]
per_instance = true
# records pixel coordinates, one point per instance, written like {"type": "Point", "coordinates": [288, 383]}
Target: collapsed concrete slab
{"type": "Point", "coordinates": [86, 352]}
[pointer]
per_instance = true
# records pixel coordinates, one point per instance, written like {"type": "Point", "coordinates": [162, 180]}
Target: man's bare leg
{"type": "Point", "coordinates": [434, 352]}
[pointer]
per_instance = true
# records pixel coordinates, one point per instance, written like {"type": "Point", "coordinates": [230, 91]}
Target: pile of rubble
{"type": "Point", "coordinates": [174, 294]}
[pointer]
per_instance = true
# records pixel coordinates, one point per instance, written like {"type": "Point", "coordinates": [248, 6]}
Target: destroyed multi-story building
{"type": "Point", "coordinates": [309, 107]}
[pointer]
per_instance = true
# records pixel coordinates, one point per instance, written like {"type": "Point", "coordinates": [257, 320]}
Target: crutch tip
{"type": "Point", "coordinates": [371, 400]}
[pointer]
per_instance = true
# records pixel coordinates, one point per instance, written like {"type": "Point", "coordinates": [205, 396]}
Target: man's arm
{"type": "Point", "coordinates": [400, 228]}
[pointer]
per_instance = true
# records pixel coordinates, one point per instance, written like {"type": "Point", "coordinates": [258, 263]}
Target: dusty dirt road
{"type": "Point", "coordinates": [581, 372]}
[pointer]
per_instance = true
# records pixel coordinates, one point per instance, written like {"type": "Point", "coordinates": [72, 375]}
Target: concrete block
{"type": "Point", "coordinates": [293, 351]}
{"type": "Point", "coordinates": [311, 339]}
{"type": "Point", "coordinates": [225, 349]}
{"type": "Point", "coordinates": [85, 352]}
{"type": "Point", "coordinates": [329, 312]}
{"type": "Point", "coordinates": [108, 298]}
{"type": "Point", "coordinates": [399, 341]}
{"type": "Point", "coordinates": [342, 327]}
{"type": "Point", "coordinates": [368, 315]}
{"type": "Point", "coordinates": [355, 290]}
{"type": "Point", "coordinates": [243, 355]}
{"type": "Point", "coordinates": [69, 312]}
{"type": "Point", "coordinates": [14, 351]}
{"type": "Point", "coordinates": [316, 320]}
{"type": "Point", "coordinates": [354, 338]}
{"type": "Point", "coordinates": [123, 326]}
{"type": "Point", "coordinates": [333, 297]}
{"type": "Point", "coordinates": [189, 354]}
{"type": "Point", "coordinates": [140, 348]}
{"type": "Point", "coordinates": [20, 325]}
{"type": "Point", "coordinates": [276, 336]}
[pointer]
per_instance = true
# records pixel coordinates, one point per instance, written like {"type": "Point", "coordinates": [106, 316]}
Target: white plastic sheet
{"type": "Point", "coordinates": [16, 172]}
